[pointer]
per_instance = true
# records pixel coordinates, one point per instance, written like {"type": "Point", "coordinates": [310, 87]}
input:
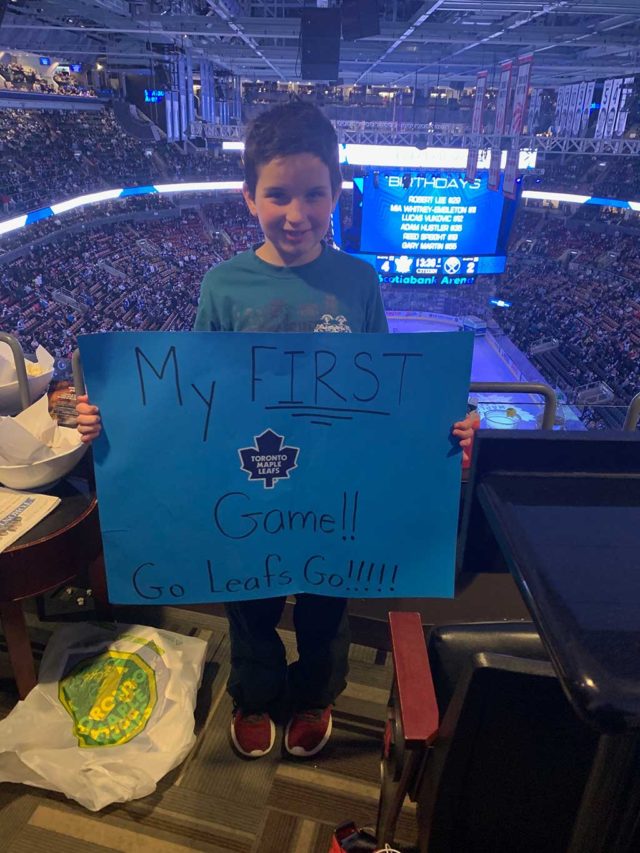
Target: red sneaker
{"type": "Point", "coordinates": [307, 732]}
{"type": "Point", "coordinates": [253, 735]}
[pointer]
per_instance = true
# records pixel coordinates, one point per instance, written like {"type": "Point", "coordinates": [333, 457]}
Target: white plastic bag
{"type": "Point", "coordinates": [111, 714]}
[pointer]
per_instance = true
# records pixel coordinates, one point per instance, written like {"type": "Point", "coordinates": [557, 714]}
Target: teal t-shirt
{"type": "Point", "coordinates": [334, 293]}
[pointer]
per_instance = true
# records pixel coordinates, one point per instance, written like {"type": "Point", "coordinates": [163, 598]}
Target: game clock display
{"type": "Point", "coordinates": [403, 269]}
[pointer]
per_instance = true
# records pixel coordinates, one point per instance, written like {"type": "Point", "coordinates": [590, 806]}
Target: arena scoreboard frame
{"type": "Point", "coordinates": [434, 229]}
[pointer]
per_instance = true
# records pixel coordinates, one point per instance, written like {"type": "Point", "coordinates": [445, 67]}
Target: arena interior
{"type": "Point", "coordinates": [121, 128]}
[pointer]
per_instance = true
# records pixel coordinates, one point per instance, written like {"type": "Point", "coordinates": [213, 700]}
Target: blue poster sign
{"type": "Point", "coordinates": [240, 466]}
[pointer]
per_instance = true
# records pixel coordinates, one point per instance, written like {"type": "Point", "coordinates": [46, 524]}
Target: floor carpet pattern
{"type": "Point", "coordinates": [216, 801]}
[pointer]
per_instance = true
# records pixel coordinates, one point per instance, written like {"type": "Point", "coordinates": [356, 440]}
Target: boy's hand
{"type": "Point", "coordinates": [89, 420]}
{"type": "Point", "coordinates": [464, 430]}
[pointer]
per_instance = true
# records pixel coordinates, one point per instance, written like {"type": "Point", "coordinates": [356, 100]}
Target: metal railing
{"type": "Point", "coordinates": [78, 375]}
{"type": "Point", "coordinates": [633, 415]}
{"type": "Point", "coordinates": [438, 137]}
{"type": "Point", "coordinates": [546, 391]}
{"type": "Point", "coordinates": [21, 370]}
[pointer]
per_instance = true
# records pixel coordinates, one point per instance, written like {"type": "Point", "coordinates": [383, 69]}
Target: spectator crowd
{"type": "Point", "coordinates": [14, 75]}
{"type": "Point", "coordinates": [135, 275]}
{"type": "Point", "coordinates": [49, 156]}
{"type": "Point", "coordinates": [580, 290]}
{"type": "Point", "coordinates": [572, 276]}
{"type": "Point", "coordinates": [587, 174]}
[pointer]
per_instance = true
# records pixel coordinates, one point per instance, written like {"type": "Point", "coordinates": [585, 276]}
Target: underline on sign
{"type": "Point", "coordinates": [328, 409]}
{"type": "Point", "coordinates": [314, 415]}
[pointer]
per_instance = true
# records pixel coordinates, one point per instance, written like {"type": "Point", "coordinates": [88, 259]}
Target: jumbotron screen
{"type": "Point", "coordinates": [437, 229]}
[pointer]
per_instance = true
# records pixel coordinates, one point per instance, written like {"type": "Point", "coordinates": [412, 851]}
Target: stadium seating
{"type": "Point", "coordinates": [15, 76]}
{"type": "Point", "coordinates": [54, 155]}
{"type": "Point", "coordinates": [481, 737]}
{"type": "Point", "coordinates": [571, 275]}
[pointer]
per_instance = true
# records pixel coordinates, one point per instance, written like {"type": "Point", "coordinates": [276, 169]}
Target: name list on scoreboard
{"type": "Point", "coordinates": [430, 221]}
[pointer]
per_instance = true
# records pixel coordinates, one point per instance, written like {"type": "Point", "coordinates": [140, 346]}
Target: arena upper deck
{"type": "Point", "coordinates": [438, 41]}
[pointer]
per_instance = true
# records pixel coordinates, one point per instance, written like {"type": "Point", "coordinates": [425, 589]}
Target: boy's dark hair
{"type": "Point", "coordinates": [297, 127]}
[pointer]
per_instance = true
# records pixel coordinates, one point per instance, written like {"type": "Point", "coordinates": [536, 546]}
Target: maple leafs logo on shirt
{"type": "Point", "coordinates": [268, 460]}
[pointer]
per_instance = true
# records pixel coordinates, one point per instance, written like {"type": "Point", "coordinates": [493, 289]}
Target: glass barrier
{"type": "Point", "coordinates": [506, 411]}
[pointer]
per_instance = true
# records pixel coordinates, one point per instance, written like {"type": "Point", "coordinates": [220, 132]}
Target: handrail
{"type": "Point", "coordinates": [546, 391]}
{"type": "Point", "coordinates": [21, 370]}
{"type": "Point", "coordinates": [633, 415]}
{"type": "Point", "coordinates": [78, 375]}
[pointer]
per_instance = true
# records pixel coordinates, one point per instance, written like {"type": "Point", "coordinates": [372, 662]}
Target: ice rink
{"type": "Point", "coordinates": [499, 410]}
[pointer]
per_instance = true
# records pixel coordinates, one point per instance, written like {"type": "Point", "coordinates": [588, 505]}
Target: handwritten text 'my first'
{"type": "Point", "coordinates": [280, 378]}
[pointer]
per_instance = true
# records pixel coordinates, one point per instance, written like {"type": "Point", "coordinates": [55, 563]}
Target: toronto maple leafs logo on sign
{"type": "Point", "coordinates": [268, 460]}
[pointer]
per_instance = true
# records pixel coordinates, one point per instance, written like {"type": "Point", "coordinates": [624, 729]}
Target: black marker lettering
{"type": "Point", "coordinates": [170, 355]}
{"type": "Point", "coordinates": [319, 378]}
{"type": "Point", "coordinates": [355, 515]}
{"type": "Point", "coordinates": [293, 353]}
{"type": "Point", "coordinates": [208, 403]}
{"type": "Point", "coordinates": [370, 572]}
{"type": "Point", "coordinates": [254, 378]}
{"type": "Point", "coordinates": [305, 516]}
{"type": "Point", "coordinates": [267, 567]}
{"type": "Point", "coordinates": [371, 373]}
{"type": "Point", "coordinates": [327, 523]}
{"type": "Point", "coordinates": [220, 525]}
{"type": "Point", "coordinates": [404, 356]}
{"type": "Point", "coordinates": [318, 577]}
{"type": "Point", "coordinates": [279, 523]}
{"type": "Point", "coordinates": [142, 594]}
{"type": "Point", "coordinates": [212, 582]}
{"type": "Point", "coordinates": [344, 513]}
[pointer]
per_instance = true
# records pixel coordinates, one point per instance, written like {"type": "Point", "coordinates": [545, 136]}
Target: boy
{"type": "Point", "coordinates": [292, 282]}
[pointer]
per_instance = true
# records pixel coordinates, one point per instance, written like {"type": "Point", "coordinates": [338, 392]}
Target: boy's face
{"type": "Point", "coordinates": [293, 203]}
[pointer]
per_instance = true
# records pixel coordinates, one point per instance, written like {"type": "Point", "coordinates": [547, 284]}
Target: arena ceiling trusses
{"type": "Point", "coordinates": [435, 42]}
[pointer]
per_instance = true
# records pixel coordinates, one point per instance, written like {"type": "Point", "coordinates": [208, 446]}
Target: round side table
{"type": "Point", "coordinates": [47, 556]}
